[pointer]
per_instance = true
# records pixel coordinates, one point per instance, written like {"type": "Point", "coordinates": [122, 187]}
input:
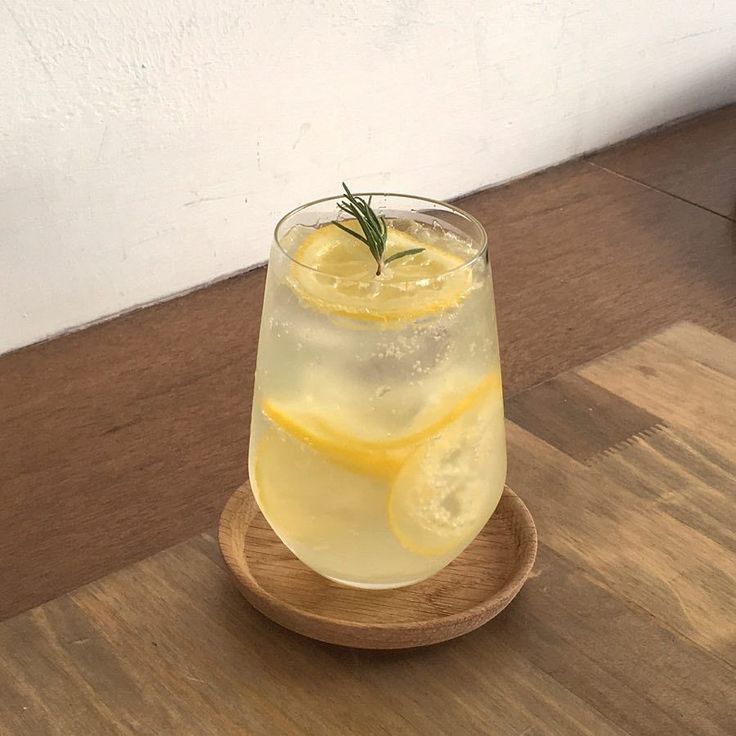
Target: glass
{"type": "Point", "coordinates": [377, 447]}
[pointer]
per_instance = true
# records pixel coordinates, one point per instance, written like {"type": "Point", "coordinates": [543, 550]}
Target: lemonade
{"type": "Point", "coordinates": [377, 448]}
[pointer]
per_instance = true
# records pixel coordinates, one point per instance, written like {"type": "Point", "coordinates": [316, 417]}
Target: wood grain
{"type": "Point", "coordinates": [468, 593]}
{"type": "Point", "coordinates": [127, 437]}
{"type": "Point", "coordinates": [695, 160]}
{"type": "Point", "coordinates": [578, 417]}
{"type": "Point", "coordinates": [122, 439]}
{"type": "Point", "coordinates": [585, 262]}
{"type": "Point", "coordinates": [625, 628]}
{"type": "Point", "coordinates": [658, 527]}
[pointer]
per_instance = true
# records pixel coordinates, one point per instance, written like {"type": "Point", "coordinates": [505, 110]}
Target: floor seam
{"type": "Point", "coordinates": [658, 189]}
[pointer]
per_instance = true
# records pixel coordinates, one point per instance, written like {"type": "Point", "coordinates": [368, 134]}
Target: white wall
{"type": "Point", "coordinates": [148, 146]}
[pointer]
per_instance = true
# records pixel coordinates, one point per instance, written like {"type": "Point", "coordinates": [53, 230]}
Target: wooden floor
{"type": "Point", "coordinates": [127, 437]}
{"type": "Point", "coordinates": [626, 626]}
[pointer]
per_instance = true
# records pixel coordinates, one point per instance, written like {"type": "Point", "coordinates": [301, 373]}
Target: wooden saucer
{"type": "Point", "coordinates": [470, 591]}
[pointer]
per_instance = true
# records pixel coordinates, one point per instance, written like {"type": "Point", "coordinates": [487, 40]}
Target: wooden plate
{"type": "Point", "coordinates": [470, 591]}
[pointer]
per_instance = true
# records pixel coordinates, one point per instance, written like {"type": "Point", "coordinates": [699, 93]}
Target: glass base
{"type": "Point", "coordinates": [374, 586]}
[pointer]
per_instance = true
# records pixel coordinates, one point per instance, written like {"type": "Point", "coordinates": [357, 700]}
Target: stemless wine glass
{"type": "Point", "coordinates": [377, 448]}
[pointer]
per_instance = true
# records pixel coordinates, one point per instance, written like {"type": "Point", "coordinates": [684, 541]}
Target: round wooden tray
{"type": "Point", "coordinates": [470, 591]}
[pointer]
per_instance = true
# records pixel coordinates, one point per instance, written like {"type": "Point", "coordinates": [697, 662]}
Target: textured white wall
{"type": "Point", "coordinates": [148, 146]}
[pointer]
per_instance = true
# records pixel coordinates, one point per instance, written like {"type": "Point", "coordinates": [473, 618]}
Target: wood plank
{"type": "Point", "coordinates": [585, 262]}
{"type": "Point", "coordinates": [626, 627]}
{"type": "Point", "coordinates": [691, 341]}
{"type": "Point", "coordinates": [695, 160]}
{"type": "Point", "coordinates": [632, 669]}
{"type": "Point", "coordinates": [169, 647]}
{"type": "Point", "coordinates": [578, 417]}
{"type": "Point", "coordinates": [629, 542]}
{"type": "Point", "coordinates": [127, 437]}
{"type": "Point", "coordinates": [660, 377]}
{"type": "Point", "coordinates": [122, 439]}
{"type": "Point", "coordinates": [652, 516]}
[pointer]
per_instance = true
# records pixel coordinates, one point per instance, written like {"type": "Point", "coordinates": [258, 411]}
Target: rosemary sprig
{"type": "Point", "coordinates": [375, 230]}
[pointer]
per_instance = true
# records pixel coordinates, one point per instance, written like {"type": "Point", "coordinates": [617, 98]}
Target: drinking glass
{"type": "Point", "coordinates": [377, 446]}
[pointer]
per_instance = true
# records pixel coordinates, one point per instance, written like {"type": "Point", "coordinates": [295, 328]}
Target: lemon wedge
{"type": "Point", "coordinates": [335, 274]}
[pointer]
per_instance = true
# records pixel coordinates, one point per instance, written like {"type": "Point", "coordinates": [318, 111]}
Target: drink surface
{"type": "Point", "coordinates": [377, 447]}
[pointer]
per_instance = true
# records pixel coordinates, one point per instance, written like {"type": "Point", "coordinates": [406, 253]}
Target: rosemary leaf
{"type": "Point", "coordinates": [374, 227]}
{"type": "Point", "coordinates": [396, 256]}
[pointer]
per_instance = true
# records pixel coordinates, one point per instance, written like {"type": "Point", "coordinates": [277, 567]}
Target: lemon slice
{"type": "Point", "coordinates": [342, 448]}
{"type": "Point", "coordinates": [340, 277]}
{"type": "Point", "coordinates": [449, 486]}
{"type": "Point", "coordinates": [379, 455]}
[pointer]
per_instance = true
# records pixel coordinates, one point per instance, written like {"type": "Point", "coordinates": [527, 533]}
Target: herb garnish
{"type": "Point", "coordinates": [375, 230]}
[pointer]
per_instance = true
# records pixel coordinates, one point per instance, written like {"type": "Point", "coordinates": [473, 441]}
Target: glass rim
{"type": "Point", "coordinates": [475, 256]}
